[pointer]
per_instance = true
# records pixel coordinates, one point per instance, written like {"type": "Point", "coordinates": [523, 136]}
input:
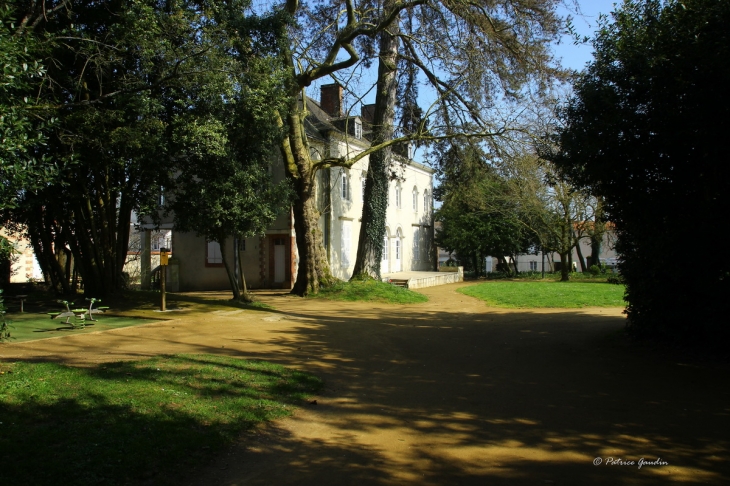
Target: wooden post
{"type": "Point", "coordinates": [163, 278]}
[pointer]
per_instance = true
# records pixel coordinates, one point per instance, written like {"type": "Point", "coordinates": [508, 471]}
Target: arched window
{"type": "Point", "coordinates": [397, 196]}
{"type": "Point", "coordinates": [426, 202]}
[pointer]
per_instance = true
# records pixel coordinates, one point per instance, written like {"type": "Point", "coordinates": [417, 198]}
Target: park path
{"type": "Point", "coordinates": [449, 392]}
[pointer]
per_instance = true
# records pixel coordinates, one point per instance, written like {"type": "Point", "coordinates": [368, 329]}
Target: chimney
{"type": "Point", "coordinates": [368, 113]}
{"type": "Point", "coordinates": [331, 99]}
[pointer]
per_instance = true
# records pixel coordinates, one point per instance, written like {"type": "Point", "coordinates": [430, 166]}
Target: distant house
{"type": "Point", "coordinates": [270, 261]}
{"type": "Point", "coordinates": [529, 262]}
{"type": "Point", "coordinates": [23, 265]}
{"type": "Point", "coordinates": [534, 263]}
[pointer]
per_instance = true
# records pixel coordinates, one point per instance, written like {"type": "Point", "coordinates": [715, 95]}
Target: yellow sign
{"type": "Point", "coordinates": [163, 256]}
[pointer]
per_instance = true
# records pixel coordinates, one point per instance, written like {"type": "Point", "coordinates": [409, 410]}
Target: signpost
{"type": "Point", "coordinates": [163, 277]}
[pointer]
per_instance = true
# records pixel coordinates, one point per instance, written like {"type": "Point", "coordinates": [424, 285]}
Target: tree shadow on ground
{"type": "Point", "coordinates": [489, 398]}
{"type": "Point", "coordinates": [452, 392]}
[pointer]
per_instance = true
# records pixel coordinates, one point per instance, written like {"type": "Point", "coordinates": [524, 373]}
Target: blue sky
{"type": "Point", "coordinates": [576, 56]}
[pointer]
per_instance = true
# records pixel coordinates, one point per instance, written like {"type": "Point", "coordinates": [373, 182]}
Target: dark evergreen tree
{"type": "Point", "coordinates": [646, 131]}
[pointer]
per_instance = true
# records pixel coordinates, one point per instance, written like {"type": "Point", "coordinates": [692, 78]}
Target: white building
{"type": "Point", "coordinates": [270, 261]}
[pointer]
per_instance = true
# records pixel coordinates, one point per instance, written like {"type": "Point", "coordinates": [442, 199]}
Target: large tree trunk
{"type": "Point", "coordinates": [314, 271]}
{"type": "Point", "coordinates": [565, 266]}
{"type": "Point", "coordinates": [372, 229]}
{"type": "Point", "coordinates": [596, 249]}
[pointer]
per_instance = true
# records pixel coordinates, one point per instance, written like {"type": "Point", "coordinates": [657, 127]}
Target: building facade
{"type": "Point", "coordinates": [271, 260]}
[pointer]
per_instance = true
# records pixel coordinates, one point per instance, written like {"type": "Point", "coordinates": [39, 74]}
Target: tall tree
{"type": "Point", "coordinates": [463, 50]}
{"type": "Point", "coordinates": [224, 187]}
{"type": "Point", "coordinates": [479, 216]}
{"type": "Point", "coordinates": [645, 132]}
{"type": "Point", "coordinates": [21, 130]}
{"type": "Point", "coordinates": [372, 229]}
{"type": "Point", "coordinates": [122, 78]}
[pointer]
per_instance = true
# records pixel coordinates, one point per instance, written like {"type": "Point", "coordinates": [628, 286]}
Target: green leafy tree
{"type": "Point", "coordinates": [22, 125]}
{"type": "Point", "coordinates": [645, 131]}
{"type": "Point", "coordinates": [123, 80]}
{"type": "Point", "coordinates": [224, 188]}
{"type": "Point", "coordinates": [479, 217]}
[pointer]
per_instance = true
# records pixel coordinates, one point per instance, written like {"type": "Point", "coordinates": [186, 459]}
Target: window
{"type": "Point", "coordinates": [397, 248]}
{"type": "Point", "coordinates": [385, 248]}
{"type": "Point", "coordinates": [242, 244]}
{"type": "Point", "coordinates": [161, 239]}
{"type": "Point", "coordinates": [345, 249]}
{"type": "Point", "coordinates": [415, 199]}
{"type": "Point", "coordinates": [213, 255]}
{"type": "Point", "coordinates": [416, 244]}
{"type": "Point", "coordinates": [345, 186]}
{"type": "Point", "coordinates": [426, 202]}
{"type": "Point", "coordinates": [397, 197]}
{"type": "Point", "coordinates": [358, 129]}
{"type": "Point", "coordinates": [161, 199]}
{"type": "Point", "coordinates": [363, 181]}
{"type": "Point", "coordinates": [533, 266]}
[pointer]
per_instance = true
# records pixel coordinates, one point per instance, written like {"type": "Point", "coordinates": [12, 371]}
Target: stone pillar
{"type": "Point", "coordinates": [146, 259]}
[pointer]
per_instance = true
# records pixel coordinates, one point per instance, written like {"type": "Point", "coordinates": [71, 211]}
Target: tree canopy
{"type": "Point", "coordinates": [473, 57]}
{"type": "Point", "coordinates": [130, 84]}
{"type": "Point", "coordinates": [645, 130]}
{"type": "Point", "coordinates": [481, 215]}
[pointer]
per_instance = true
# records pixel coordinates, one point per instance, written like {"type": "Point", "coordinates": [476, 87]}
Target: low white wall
{"type": "Point", "coordinates": [434, 280]}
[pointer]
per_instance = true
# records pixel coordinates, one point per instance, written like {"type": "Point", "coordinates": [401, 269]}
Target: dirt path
{"type": "Point", "coordinates": [449, 392]}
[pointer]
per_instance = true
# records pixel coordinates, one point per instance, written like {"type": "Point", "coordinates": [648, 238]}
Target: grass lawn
{"type": "Point", "coordinates": [526, 294]}
{"type": "Point", "coordinates": [28, 327]}
{"type": "Point", "coordinates": [371, 291]}
{"type": "Point", "coordinates": [132, 422]}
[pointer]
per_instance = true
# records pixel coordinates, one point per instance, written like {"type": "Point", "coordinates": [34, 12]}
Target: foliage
{"type": "Point", "coordinates": [479, 217]}
{"type": "Point", "coordinates": [129, 83]}
{"type": "Point", "coordinates": [527, 294]}
{"type": "Point", "coordinates": [224, 188]}
{"type": "Point", "coordinates": [645, 131]}
{"type": "Point", "coordinates": [22, 125]}
{"type": "Point", "coordinates": [494, 50]}
{"type": "Point", "coordinates": [371, 290]}
{"type": "Point", "coordinates": [133, 422]}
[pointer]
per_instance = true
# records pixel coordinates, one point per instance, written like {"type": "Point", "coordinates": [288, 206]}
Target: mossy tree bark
{"type": "Point", "coordinates": [372, 229]}
{"type": "Point", "coordinates": [314, 271]}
